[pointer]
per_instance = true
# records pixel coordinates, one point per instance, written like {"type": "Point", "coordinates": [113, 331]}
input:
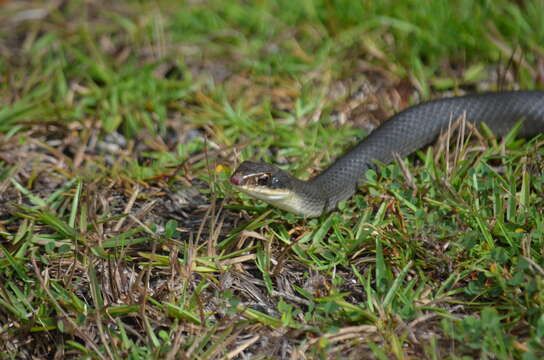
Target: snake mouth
{"type": "Point", "coordinates": [252, 180]}
{"type": "Point", "coordinates": [258, 185]}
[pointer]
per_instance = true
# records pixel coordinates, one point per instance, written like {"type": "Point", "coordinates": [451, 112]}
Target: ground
{"type": "Point", "coordinates": [120, 236]}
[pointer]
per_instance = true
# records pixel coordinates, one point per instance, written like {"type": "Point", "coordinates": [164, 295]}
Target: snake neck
{"type": "Point", "coordinates": [331, 192]}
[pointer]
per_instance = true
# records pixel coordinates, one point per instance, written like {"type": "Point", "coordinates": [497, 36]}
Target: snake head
{"type": "Point", "coordinates": [268, 183]}
{"type": "Point", "coordinates": [261, 180]}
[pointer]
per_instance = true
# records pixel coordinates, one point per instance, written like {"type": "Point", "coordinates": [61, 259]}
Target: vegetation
{"type": "Point", "coordinates": [121, 238]}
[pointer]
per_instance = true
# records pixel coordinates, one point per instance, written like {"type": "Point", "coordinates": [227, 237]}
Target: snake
{"type": "Point", "coordinates": [400, 135]}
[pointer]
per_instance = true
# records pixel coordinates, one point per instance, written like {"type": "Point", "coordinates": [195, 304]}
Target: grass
{"type": "Point", "coordinates": [121, 238]}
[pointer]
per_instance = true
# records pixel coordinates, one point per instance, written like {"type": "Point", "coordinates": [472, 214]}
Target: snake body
{"type": "Point", "coordinates": [402, 134]}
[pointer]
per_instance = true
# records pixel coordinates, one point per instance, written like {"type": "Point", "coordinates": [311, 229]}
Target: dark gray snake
{"type": "Point", "coordinates": [402, 134]}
